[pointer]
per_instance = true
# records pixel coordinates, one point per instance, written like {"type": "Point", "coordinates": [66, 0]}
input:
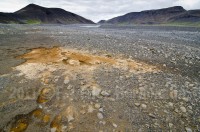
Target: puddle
{"type": "Point", "coordinates": [91, 26]}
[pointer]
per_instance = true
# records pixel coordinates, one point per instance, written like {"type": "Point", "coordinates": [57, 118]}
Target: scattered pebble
{"type": "Point", "coordinates": [152, 115]}
{"type": "Point", "coordinates": [64, 127]}
{"type": "Point", "coordinates": [53, 129]}
{"type": "Point", "coordinates": [185, 99]}
{"type": "Point", "coordinates": [101, 109]}
{"type": "Point", "coordinates": [90, 109]}
{"type": "Point", "coordinates": [170, 125]}
{"type": "Point", "coordinates": [100, 115]}
{"type": "Point", "coordinates": [115, 125]}
{"type": "Point", "coordinates": [170, 104]}
{"type": "Point", "coordinates": [66, 80]}
{"type": "Point", "coordinates": [74, 62]}
{"type": "Point", "coordinates": [144, 106]}
{"type": "Point", "coordinates": [188, 129]}
{"type": "Point", "coordinates": [69, 87]}
{"type": "Point", "coordinates": [70, 118]}
{"type": "Point", "coordinates": [96, 91]}
{"type": "Point", "coordinates": [102, 122]}
{"type": "Point", "coordinates": [40, 106]}
{"type": "Point", "coordinates": [97, 106]}
{"type": "Point", "coordinates": [183, 109]}
{"type": "Point", "coordinates": [173, 94]}
{"type": "Point", "coordinates": [176, 110]}
{"type": "Point", "coordinates": [105, 94]}
{"type": "Point", "coordinates": [137, 104]}
{"type": "Point", "coordinates": [190, 107]}
{"type": "Point", "coordinates": [82, 112]}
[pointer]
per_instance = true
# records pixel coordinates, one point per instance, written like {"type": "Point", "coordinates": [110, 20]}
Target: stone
{"type": "Point", "coordinates": [170, 125]}
{"type": "Point", "coordinates": [82, 112]}
{"type": "Point", "coordinates": [141, 89]}
{"type": "Point", "coordinates": [183, 109]}
{"type": "Point", "coordinates": [96, 91]}
{"type": "Point", "coordinates": [66, 80]}
{"type": "Point", "coordinates": [74, 62]}
{"type": "Point", "coordinates": [171, 104]}
{"type": "Point", "coordinates": [137, 104]}
{"type": "Point", "coordinates": [102, 122]}
{"type": "Point", "coordinates": [64, 128]}
{"type": "Point", "coordinates": [105, 93]}
{"type": "Point", "coordinates": [190, 111]}
{"type": "Point", "coordinates": [199, 119]}
{"type": "Point", "coordinates": [69, 113]}
{"type": "Point", "coordinates": [152, 115]}
{"type": "Point", "coordinates": [97, 106]}
{"type": "Point", "coordinates": [188, 129]}
{"type": "Point", "coordinates": [173, 94]}
{"type": "Point", "coordinates": [101, 109]}
{"type": "Point", "coordinates": [190, 107]}
{"type": "Point", "coordinates": [115, 125]}
{"type": "Point", "coordinates": [56, 78]}
{"type": "Point", "coordinates": [69, 87]}
{"type": "Point", "coordinates": [176, 110]}
{"type": "Point", "coordinates": [185, 99]}
{"type": "Point", "coordinates": [53, 129]}
{"type": "Point", "coordinates": [144, 106]}
{"type": "Point", "coordinates": [140, 130]}
{"type": "Point", "coordinates": [191, 85]}
{"type": "Point", "coordinates": [100, 116]}
{"type": "Point", "coordinates": [90, 109]}
{"type": "Point", "coordinates": [40, 106]}
{"type": "Point", "coordinates": [70, 118]}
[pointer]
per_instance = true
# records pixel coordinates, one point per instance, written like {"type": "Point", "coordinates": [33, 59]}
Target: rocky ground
{"type": "Point", "coordinates": [74, 78]}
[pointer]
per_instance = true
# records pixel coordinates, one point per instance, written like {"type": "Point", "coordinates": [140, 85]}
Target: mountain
{"type": "Point", "coordinates": [176, 15]}
{"type": "Point", "coordinates": [102, 21]}
{"type": "Point", "coordinates": [37, 14]}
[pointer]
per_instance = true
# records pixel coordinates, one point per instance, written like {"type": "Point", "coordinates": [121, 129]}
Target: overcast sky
{"type": "Point", "coordinates": [99, 9]}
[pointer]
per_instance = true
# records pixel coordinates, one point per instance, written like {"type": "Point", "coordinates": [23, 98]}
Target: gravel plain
{"type": "Point", "coordinates": [109, 78]}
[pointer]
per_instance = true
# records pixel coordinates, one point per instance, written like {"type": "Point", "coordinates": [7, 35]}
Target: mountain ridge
{"type": "Point", "coordinates": [176, 14]}
{"type": "Point", "coordinates": [33, 13]}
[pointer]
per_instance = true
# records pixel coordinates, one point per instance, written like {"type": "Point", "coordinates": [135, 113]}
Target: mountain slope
{"type": "Point", "coordinates": [160, 16]}
{"type": "Point", "coordinates": [8, 17]}
{"type": "Point", "coordinates": [37, 14]}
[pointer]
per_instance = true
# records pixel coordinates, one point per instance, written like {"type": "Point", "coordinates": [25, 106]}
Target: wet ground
{"type": "Point", "coordinates": [78, 78]}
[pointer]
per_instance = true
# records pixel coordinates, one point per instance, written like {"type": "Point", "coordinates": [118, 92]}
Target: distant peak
{"type": "Point", "coordinates": [177, 7]}
{"type": "Point", "coordinates": [32, 6]}
{"type": "Point", "coordinates": [169, 9]}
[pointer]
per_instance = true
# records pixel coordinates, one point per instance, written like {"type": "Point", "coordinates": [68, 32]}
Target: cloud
{"type": "Point", "coordinates": [100, 9]}
{"type": "Point", "coordinates": [12, 5]}
{"type": "Point", "coordinates": [189, 4]}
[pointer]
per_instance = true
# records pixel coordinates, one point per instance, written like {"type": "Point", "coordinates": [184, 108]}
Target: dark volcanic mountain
{"type": "Point", "coordinates": [37, 14]}
{"type": "Point", "coordinates": [175, 14]}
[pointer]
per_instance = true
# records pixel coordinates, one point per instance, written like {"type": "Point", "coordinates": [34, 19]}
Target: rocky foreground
{"type": "Point", "coordinates": [72, 78]}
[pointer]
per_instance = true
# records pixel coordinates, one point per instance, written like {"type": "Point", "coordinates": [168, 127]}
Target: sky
{"type": "Point", "coordinates": [100, 9]}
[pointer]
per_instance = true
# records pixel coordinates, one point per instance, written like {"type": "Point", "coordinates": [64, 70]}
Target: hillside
{"type": "Point", "coordinates": [37, 14]}
{"type": "Point", "coordinates": [175, 14]}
